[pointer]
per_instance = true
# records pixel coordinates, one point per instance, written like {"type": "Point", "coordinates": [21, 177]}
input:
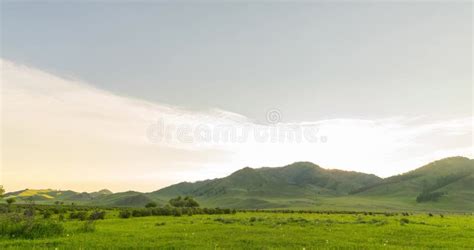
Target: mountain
{"type": "Point", "coordinates": [102, 197]}
{"type": "Point", "coordinates": [43, 195]}
{"type": "Point", "coordinates": [298, 181]}
{"type": "Point", "coordinates": [125, 199]}
{"type": "Point", "coordinates": [100, 193]}
{"type": "Point", "coordinates": [447, 182]}
{"type": "Point", "coordinates": [443, 185]}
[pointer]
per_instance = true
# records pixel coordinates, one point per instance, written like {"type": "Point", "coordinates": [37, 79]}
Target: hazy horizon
{"type": "Point", "coordinates": [113, 191]}
{"type": "Point", "coordinates": [141, 96]}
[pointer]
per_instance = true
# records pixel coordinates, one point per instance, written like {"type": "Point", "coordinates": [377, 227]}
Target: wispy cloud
{"type": "Point", "coordinates": [64, 133]}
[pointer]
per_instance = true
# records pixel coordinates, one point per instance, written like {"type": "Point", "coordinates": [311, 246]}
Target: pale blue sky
{"type": "Point", "coordinates": [312, 61]}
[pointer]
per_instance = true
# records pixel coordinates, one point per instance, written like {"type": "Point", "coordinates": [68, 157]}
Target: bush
{"type": "Point", "coordinates": [124, 214]}
{"type": "Point", "coordinates": [47, 214]}
{"type": "Point", "coordinates": [87, 227]}
{"type": "Point", "coordinates": [3, 209]}
{"type": "Point", "coordinates": [225, 220]}
{"type": "Point", "coordinates": [81, 215]}
{"type": "Point", "coordinates": [151, 204]}
{"type": "Point", "coordinates": [178, 212]}
{"type": "Point", "coordinates": [173, 211]}
{"type": "Point", "coordinates": [141, 212]}
{"type": "Point", "coordinates": [404, 221]}
{"type": "Point", "coordinates": [186, 202]}
{"type": "Point", "coordinates": [10, 201]}
{"type": "Point", "coordinates": [97, 215]}
{"type": "Point", "coordinates": [30, 229]}
{"type": "Point", "coordinates": [29, 212]}
{"type": "Point", "coordinates": [427, 196]}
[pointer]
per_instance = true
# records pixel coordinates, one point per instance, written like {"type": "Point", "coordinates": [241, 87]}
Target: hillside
{"type": "Point", "coordinates": [255, 188]}
{"type": "Point", "coordinates": [445, 185]}
{"type": "Point", "coordinates": [47, 195]}
{"type": "Point", "coordinates": [102, 197]}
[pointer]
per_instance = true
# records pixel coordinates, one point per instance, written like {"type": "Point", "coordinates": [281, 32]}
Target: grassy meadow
{"type": "Point", "coordinates": [249, 230]}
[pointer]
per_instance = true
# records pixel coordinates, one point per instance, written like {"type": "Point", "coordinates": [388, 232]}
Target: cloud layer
{"type": "Point", "coordinates": [63, 133]}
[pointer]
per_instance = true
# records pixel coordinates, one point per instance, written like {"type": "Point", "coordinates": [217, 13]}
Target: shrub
{"type": "Point", "coordinates": [30, 229]}
{"type": "Point", "coordinates": [97, 215]}
{"type": "Point", "coordinates": [141, 212]}
{"type": "Point", "coordinates": [81, 215]}
{"type": "Point", "coordinates": [178, 212]}
{"type": "Point", "coordinates": [427, 196]}
{"type": "Point", "coordinates": [173, 211]}
{"type": "Point", "coordinates": [224, 220]}
{"type": "Point", "coordinates": [151, 204]}
{"type": "Point", "coordinates": [10, 201]}
{"type": "Point", "coordinates": [186, 202]}
{"type": "Point", "coordinates": [3, 209]}
{"type": "Point", "coordinates": [29, 212]}
{"type": "Point", "coordinates": [58, 210]}
{"type": "Point", "coordinates": [47, 214]}
{"type": "Point", "coordinates": [87, 227]}
{"type": "Point", "coordinates": [404, 221]}
{"type": "Point", "coordinates": [124, 214]}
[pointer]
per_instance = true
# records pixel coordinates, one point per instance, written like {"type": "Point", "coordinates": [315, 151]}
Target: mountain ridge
{"type": "Point", "coordinates": [266, 181]}
{"type": "Point", "coordinates": [301, 184]}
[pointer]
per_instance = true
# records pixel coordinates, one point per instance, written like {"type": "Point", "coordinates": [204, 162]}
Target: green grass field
{"type": "Point", "coordinates": [263, 230]}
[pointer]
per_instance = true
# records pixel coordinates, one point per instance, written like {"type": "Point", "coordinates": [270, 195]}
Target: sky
{"type": "Point", "coordinates": [141, 95]}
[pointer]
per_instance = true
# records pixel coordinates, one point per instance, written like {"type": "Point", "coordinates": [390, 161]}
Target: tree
{"type": "Point", "coordinates": [190, 202]}
{"type": "Point", "coordinates": [427, 196]}
{"type": "Point", "coordinates": [151, 204]}
{"type": "Point", "coordinates": [10, 201]}
{"type": "Point", "coordinates": [186, 202]}
{"type": "Point", "coordinates": [2, 191]}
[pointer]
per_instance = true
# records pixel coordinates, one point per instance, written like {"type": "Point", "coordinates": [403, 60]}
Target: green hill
{"type": "Point", "coordinates": [300, 182]}
{"type": "Point", "coordinates": [102, 192]}
{"type": "Point", "coordinates": [124, 199]}
{"type": "Point", "coordinates": [444, 185]}
{"type": "Point", "coordinates": [44, 195]}
{"type": "Point", "coordinates": [102, 197]}
{"type": "Point", "coordinates": [435, 176]}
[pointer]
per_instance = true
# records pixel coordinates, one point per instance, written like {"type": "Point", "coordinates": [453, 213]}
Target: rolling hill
{"type": "Point", "coordinates": [446, 185]}
{"type": "Point", "coordinates": [302, 181]}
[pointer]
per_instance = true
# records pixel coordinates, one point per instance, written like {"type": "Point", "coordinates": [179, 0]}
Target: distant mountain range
{"type": "Point", "coordinates": [444, 185]}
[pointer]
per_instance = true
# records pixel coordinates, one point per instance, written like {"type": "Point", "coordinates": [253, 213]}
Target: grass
{"type": "Point", "coordinates": [29, 229]}
{"type": "Point", "coordinates": [263, 230]}
{"type": "Point", "coordinates": [351, 203]}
